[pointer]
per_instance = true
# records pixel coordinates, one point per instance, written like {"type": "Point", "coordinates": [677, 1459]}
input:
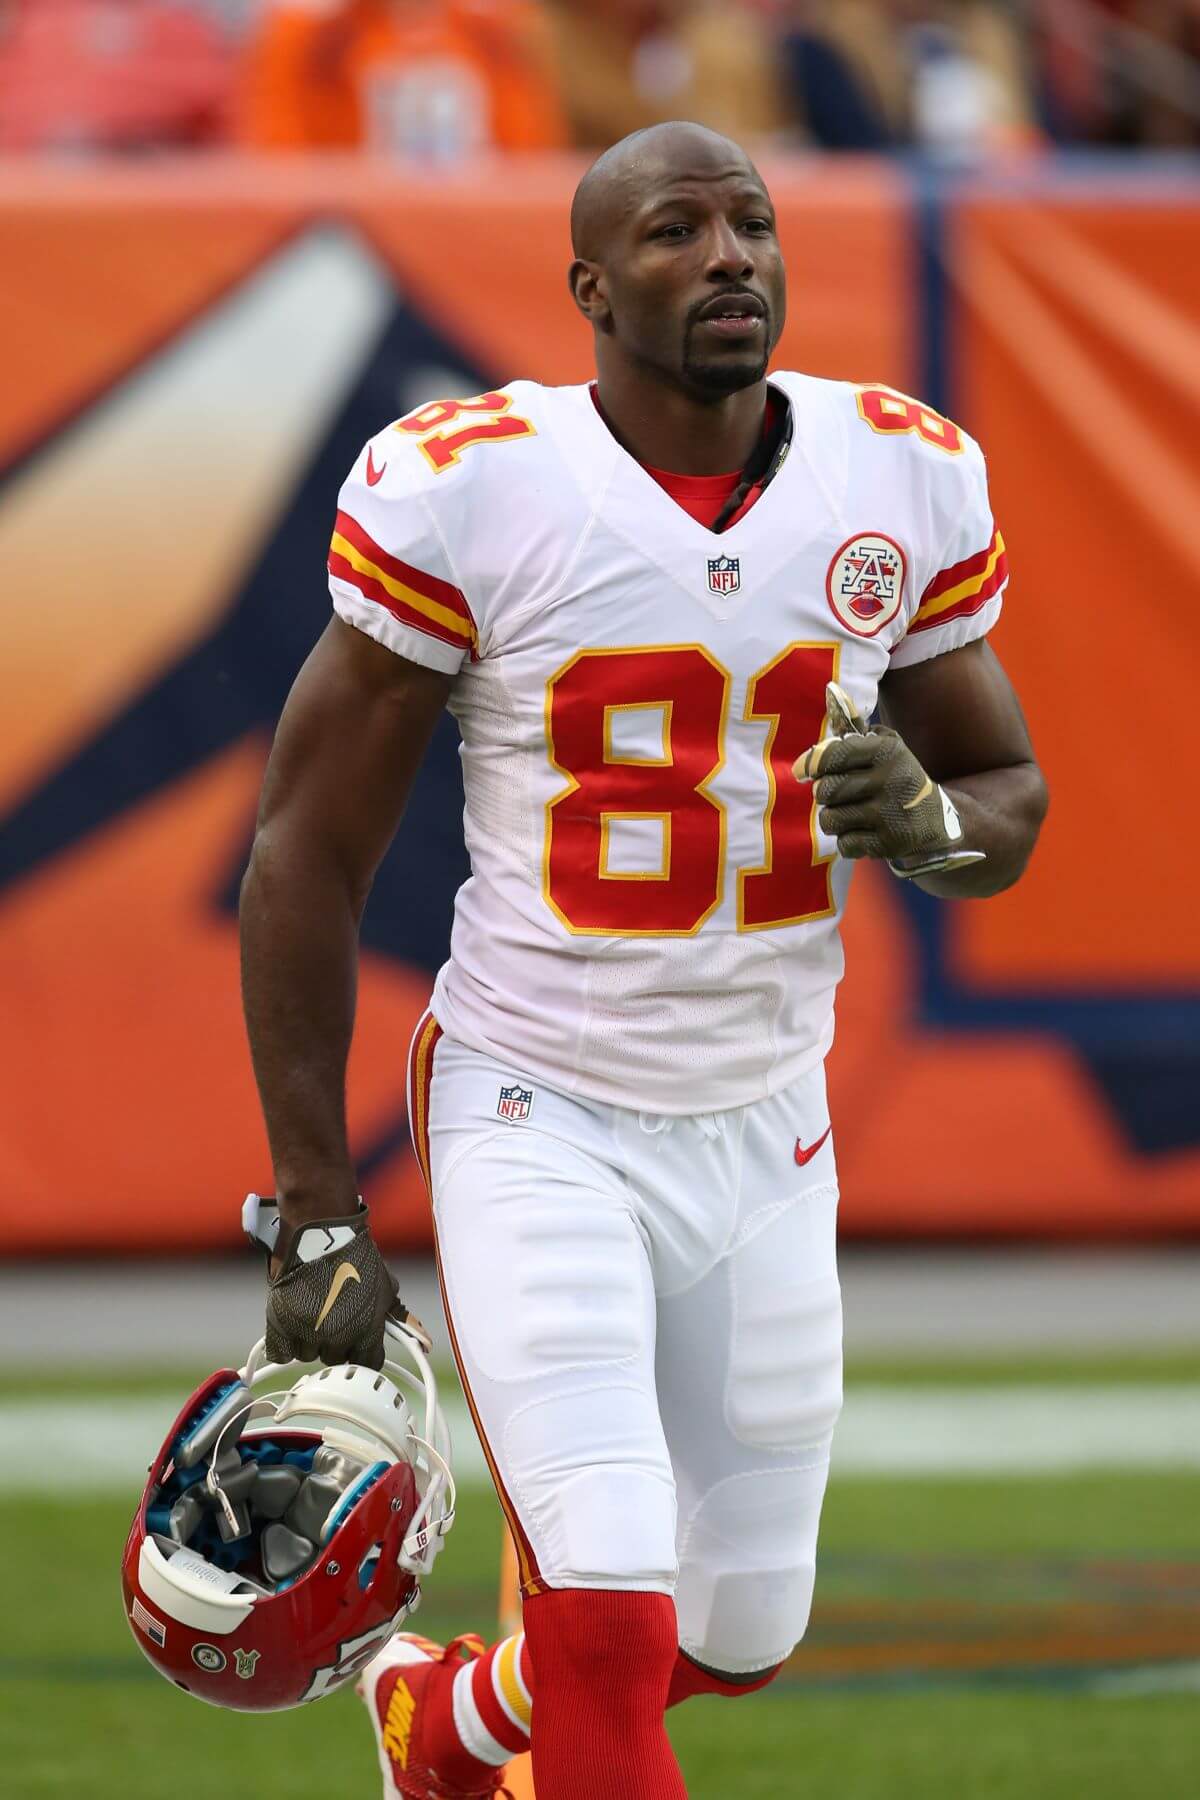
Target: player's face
{"type": "Point", "coordinates": [695, 281]}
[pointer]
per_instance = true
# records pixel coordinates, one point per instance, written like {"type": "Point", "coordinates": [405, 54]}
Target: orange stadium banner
{"type": "Point", "coordinates": [197, 352]}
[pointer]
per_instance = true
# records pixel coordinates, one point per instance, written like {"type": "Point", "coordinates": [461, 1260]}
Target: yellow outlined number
{"type": "Point", "coordinates": [888, 411]}
{"type": "Point", "coordinates": [690, 689]}
{"type": "Point", "coordinates": [792, 886]}
{"type": "Point", "coordinates": [489, 417]}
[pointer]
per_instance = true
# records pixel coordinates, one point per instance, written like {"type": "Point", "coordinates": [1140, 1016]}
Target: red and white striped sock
{"type": "Point", "coordinates": [493, 1703]}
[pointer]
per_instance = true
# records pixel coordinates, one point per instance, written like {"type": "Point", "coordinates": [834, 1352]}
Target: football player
{"type": "Point", "coordinates": [662, 607]}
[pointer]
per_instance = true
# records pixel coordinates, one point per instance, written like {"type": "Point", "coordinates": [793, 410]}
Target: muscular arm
{"type": "Point", "coordinates": [352, 734]}
{"type": "Point", "coordinates": [960, 717]}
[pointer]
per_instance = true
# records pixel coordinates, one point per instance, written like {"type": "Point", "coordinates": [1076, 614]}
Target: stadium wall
{"type": "Point", "coordinates": [195, 354]}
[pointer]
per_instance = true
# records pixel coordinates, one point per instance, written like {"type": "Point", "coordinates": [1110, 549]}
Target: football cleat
{"type": "Point", "coordinates": [281, 1539]}
{"type": "Point", "coordinates": [395, 1686]}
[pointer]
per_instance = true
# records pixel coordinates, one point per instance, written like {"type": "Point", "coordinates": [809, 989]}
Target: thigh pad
{"type": "Point", "coordinates": [784, 1383]}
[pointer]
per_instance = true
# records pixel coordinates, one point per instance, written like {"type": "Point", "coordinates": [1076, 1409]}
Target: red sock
{"type": "Point", "coordinates": [602, 1663]}
{"type": "Point", "coordinates": [478, 1712]}
{"type": "Point", "coordinates": [689, 1679]}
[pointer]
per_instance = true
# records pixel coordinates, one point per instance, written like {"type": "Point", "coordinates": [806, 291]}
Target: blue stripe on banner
{"type": "Point", "coordinates": [934, 361]}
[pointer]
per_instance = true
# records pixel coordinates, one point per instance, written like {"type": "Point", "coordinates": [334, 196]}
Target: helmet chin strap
{"type": "Point", "coordinates": [252, 1409]}
{"type": "Point", "coordinates": [213, 1482]}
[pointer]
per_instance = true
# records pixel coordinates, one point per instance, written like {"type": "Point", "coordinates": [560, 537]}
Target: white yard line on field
{"type": "Point", "coordinates": [985, 1430]}
{"type": "Point", "coordinates": [1150, 1678]}
{"type": "Point", "coordinates": [76, 1448]}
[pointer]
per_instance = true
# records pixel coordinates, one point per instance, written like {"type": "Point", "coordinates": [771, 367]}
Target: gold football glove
{"type": "Point", "coordinates": [876, 799]}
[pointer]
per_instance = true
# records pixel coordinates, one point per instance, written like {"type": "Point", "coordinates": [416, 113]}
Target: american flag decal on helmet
{"type": "Point", "coordinates": [154, 1629]}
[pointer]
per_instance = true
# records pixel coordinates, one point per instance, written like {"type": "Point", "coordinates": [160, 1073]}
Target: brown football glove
{"type": "Point", "coordinates": [331, 1291]}
{"type": "Point", "coordinates": [876, 799]}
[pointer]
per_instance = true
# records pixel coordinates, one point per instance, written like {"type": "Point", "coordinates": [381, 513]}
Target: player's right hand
{"type": "Point", "coordinates": [330, 1291]}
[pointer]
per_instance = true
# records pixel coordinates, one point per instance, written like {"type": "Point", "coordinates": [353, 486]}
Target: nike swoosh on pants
{"type": "Point", "coordinates": [806, 1155]}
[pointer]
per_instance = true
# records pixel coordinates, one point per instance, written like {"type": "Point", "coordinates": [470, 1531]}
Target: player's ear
{"type": "Point", "coordinates": [587, 290]}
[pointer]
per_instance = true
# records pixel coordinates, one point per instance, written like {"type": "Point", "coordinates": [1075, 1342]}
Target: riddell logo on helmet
{"type": "Point", "coordinates": [397, 1726]}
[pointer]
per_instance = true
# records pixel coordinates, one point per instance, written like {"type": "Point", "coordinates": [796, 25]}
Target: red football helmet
{"type": "Point", "coordinates": [280, 1540]}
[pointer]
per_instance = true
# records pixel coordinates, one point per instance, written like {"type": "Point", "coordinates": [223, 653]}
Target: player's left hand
{"type": "Point", "coordinates": [876, 799]}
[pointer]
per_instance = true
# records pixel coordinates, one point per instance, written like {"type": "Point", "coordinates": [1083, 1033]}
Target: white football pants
{"type": "Point", "coordinates": [646, 1316]}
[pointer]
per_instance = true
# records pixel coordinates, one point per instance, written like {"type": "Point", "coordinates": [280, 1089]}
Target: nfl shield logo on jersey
{"type": "Point", "coordinates": [724, 574]}
{"type": "Point", "coordinates": [514, 1103]}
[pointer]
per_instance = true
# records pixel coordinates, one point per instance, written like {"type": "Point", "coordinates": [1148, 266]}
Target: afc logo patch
{"type": "Point", "coordinates": [865, 583]}
{"type": "Point", "coordinates": [515, 1103]}
{"type": "Point", "coordinates": [724, 574]}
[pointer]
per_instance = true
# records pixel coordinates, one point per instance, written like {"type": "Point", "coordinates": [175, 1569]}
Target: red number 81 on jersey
{"type": "Point", "coordinates": [690, 689]}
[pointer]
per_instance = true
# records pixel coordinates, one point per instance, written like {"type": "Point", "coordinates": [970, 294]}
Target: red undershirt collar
{"type": "Point", "coordinates": [703, 496]}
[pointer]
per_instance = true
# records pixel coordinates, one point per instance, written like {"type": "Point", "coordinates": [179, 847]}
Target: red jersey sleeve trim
{"type": "Point", "coordinates": [964, 588]}
{"type": "Point", "coordinates": [411, 595]}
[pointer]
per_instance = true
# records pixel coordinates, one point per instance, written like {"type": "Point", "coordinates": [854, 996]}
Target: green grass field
{"type": "Point", "coordinates": [972, 1639]}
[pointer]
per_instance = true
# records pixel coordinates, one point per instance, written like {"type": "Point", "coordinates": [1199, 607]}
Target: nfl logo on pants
{"type": "Point", "coordinates": [724, 574]}
{"type": "Point", "coordinates": [514, 1103]}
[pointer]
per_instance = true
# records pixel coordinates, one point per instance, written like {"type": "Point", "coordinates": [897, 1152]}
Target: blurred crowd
{"type": "Point", "coordinates": [441, 79]}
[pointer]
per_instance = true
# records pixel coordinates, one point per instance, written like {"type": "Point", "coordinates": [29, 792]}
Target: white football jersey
{"type": "Point", "coordinates": [652, 914]}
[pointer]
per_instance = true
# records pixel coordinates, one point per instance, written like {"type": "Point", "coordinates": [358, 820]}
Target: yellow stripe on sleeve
{"type": "Point", "coordinates": [965, 590]}
{"type": "Point", "coordinates": [432, 609]}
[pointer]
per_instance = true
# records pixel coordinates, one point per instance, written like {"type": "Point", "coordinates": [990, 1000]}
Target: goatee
{"type": "Point", "coordinates": [714, 379]}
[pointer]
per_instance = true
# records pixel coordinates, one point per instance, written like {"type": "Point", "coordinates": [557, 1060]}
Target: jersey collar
{"type": "Point", "coordinates": [630, 503]}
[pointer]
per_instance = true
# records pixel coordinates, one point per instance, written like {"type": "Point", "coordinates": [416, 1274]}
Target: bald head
{"type": "Point", "coordinates": [677, 264]}
{"type": "Point", "coordinates": [627, 173]}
